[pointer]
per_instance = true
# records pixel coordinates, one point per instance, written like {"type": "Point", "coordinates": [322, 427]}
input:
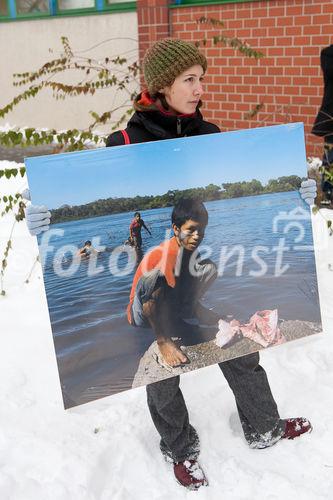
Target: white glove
{"type": "Point", "coordinates": [38, 219]}
{"type": "Point", "coordinates": [308, 191]}
{"type": "Point", "coordinates": [26, 194]}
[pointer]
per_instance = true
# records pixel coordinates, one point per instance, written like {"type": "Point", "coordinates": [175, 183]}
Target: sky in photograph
{"type": "Point", "coordinates": [155, 167]}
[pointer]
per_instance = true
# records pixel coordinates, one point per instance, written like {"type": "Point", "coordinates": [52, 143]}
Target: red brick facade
{"type": "Point", "coordinates": [287, 80]}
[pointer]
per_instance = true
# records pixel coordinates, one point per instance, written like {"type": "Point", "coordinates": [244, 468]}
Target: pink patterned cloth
{"type": "Point", "coordinates": [262, 329]}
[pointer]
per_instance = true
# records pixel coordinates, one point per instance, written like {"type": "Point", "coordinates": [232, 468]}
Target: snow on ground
{"type": "Point", "coordinates": [108, 449]}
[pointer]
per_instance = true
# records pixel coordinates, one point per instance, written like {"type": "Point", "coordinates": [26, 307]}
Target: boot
{"type": "Point", "coordinates": [189, 474]}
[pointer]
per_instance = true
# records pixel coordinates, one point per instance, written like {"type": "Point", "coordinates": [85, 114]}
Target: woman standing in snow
{"type": "Point", "coordinates": [168, 109]}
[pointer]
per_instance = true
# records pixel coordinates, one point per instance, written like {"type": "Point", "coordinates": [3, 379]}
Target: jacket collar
{"type": "Point", "coordinates": [161, 123]}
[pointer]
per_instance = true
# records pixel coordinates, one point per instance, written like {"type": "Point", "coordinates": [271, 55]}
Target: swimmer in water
{"type": "Point", "coordinates": [87, 249]}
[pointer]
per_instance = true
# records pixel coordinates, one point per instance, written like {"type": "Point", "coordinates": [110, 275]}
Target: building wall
{"type": "Point", "coordinates": [25, 47]}
{"type": "Point", "coordinates": [288, 80]}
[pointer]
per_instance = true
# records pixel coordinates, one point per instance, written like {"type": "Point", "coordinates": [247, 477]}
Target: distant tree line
{"type": "Point", "coordinates": [212, 192]}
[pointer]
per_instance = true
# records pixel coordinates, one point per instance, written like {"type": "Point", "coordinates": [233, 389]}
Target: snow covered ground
{"type": "Point", "coordinates": [108, 449]}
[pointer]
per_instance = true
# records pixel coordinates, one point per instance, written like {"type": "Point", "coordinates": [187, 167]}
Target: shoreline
{"type": "Point", "coordinates": [152, 367]}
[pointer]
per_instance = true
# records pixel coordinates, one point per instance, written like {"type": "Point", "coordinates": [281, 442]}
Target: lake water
{"type": "Point", "coordinates": [98, 352]}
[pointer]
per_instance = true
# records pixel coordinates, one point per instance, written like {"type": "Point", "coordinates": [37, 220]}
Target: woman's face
{"type": "Point", "coordinates": [184, 94]}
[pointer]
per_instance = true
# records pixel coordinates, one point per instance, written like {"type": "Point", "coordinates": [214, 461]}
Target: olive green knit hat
{"type": "Point", "coordinates": [167, 59]}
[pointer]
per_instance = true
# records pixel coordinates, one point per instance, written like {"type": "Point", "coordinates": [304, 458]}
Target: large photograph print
{"type": "Point", "coordinates": [168, 256]}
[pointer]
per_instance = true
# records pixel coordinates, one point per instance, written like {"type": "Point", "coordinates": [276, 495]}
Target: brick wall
{"type": "Point", "coordinates": [153, 22]}
{"type": "Point", "coordinates": [287, 81]}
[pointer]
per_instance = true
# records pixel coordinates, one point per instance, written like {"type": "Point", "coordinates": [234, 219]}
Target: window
{"type": "Point", "coordinates": [112, 2]}
{"type": "Point", "coordinates": [27, 9]}
{"type": "Point", "coordinates": [75, 4]}
{"type": "Point", "coordinates": [32, 6]}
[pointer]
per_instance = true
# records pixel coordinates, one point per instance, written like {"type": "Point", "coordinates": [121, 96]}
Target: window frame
{"type": "Point", "coordinates": [28, 15]}
{"type": "Point", "coordinates": [8, 15]}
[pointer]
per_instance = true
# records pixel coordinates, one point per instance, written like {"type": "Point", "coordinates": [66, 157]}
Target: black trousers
{"type": "Point", "coordinates": [256, 407]}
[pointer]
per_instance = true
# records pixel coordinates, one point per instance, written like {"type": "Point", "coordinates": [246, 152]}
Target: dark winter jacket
{"type": "Point", "coordinates": [150, 123]}
{"type": "Point", "coordinates": [323, 125]}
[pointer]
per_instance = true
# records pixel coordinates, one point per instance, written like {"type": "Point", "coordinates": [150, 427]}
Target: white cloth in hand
{"type": "Point", "coordinates": [308, 191]}
{"type": "Point", "coordinates": [227, 332]}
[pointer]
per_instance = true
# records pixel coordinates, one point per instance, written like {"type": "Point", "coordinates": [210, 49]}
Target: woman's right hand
{"type": "Point", "coordinates": [36, 216]}
{"type": "Point", "coordinates": [38, 219]}
{"type": "Point", "coordinates": [308, 191]}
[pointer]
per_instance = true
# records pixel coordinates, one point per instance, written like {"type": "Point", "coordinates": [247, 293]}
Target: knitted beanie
{"type": "Point", "coordinates": [167, 59]}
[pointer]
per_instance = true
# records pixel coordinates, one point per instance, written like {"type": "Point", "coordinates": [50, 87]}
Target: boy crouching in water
{"type": "Point", "coordinates": [166, 290]}
{"type": "Point", "coordinates": [171, 279]}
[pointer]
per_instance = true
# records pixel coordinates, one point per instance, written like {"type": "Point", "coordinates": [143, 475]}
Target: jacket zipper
{"type": "Point", "coordinates": [179, 126]}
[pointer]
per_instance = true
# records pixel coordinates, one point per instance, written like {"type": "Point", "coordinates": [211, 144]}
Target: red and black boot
{"type": "Point", "coordinates": [296, 427]}
{"type": "Point", "coordinates": [189, 474]}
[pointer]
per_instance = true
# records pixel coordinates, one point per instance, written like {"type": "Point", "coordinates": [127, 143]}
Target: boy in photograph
{"type": "Point", "coordinates": [87, 249]}
{"type": "Point", "coordinates": [135, 230]}
{"type": "Point", "coordinates": [169, 282]}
